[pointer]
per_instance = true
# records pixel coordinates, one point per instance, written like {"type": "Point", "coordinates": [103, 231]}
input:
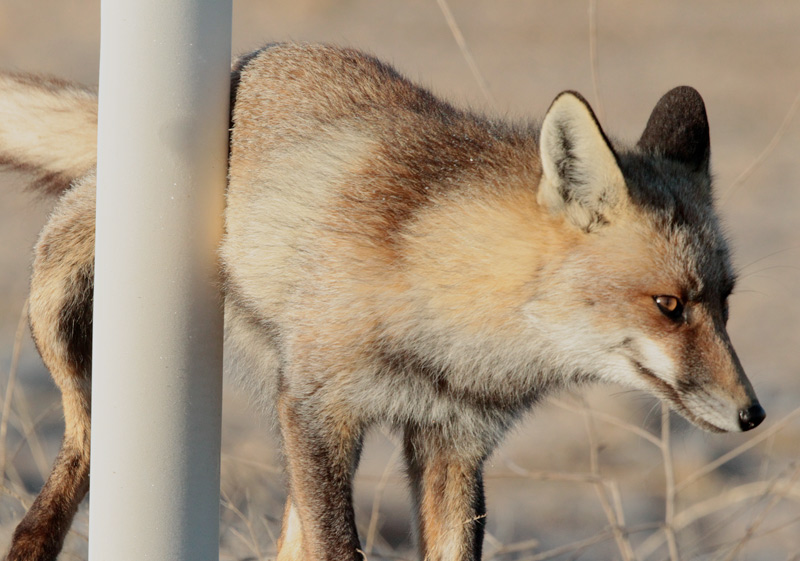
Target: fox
{"type": "Point", "coordinates": [391, 259]}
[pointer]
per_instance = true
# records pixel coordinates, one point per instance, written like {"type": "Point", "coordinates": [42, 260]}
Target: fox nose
{"type": "Point", "coordinates": [751, 417]}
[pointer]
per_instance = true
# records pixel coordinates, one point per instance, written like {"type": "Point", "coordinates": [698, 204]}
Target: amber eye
{"type": "Point", "coordinates": [670, 306]}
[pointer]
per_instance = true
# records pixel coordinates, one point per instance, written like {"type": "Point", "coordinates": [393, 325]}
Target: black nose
{"type": "Point", "coordinates": [750, 418]}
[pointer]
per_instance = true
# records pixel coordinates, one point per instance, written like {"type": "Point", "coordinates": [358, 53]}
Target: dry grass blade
{"type": "Point", "coordinates": [516, 547]}
{"type": "Point", "coordinates": [777, 497]}
{"type": "Point", "coordinates": [598, 102]}
{"type": "Point", "coordinates": [616, 498]}
{"type": "Point", "coordinates": [741, 493]}
{"type": "Point", "coordinates": [784, 126]}
{"type": "Point", "coordinates": [28, 426]}
{"type": "Point", "coordinates": [610, 419]}
{"type": "Point", "coordinates": [268, 468]}
{"type": "Point", "coordinates": [711, 466]}
{"type": "Point", "coordinates": [12, 377]}
{"type": "Point", "coordinates": [250, 541]}
{"type": "Point", "coordinates": [30, 437]}
{"type": "Point", "coordinates": [272, 537]}
{"type": "Point", "coordinates": [719, 503]}
{"type": "Point", "coordinates": [377, 496]}
{"type": "Point", "coordinates": [577, 546]}
{"type": "Point", "coordinates": [615, 516]}
{"type": "Point", "coordinates": [670, 491]}
{"type": "Point", "coordinates": [5, 490]}
{"type": "Point", "coordinates": [541, 475]}
{"type": "Point", "coordinates": [465, 52]}
{"type": "Point", "coordinates": [491, 541]}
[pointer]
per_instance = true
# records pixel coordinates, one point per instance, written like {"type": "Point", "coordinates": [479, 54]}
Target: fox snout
{"type": "Point", "coordinates": [714, 400]}
{"type": "Point", "coordinates": [714, 389]}
{"type": "Point", "coordinates": [751, 417]}
{"type": "Point", "coordinates": [752, 413]}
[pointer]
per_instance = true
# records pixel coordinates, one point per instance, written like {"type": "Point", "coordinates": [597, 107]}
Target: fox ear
{"type": "Point", "coordinates": [678, 129]}
{"type": "Point", "coordinates": [580, 174]}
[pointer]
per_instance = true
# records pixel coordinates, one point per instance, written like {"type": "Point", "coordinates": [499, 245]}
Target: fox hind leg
{"type": "Point", "coordinates": [321, 458]}
{"type": "Point", "coordinates": [60, 315]}
{"type": "Point", "coordinates": [40, 535]}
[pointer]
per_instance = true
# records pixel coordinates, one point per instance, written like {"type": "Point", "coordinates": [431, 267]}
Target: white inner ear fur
{"type": "Point", "coordinates": [580, 173]}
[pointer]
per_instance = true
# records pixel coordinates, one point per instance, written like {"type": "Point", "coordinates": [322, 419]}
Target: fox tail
{"type": "Point", "coordinates": [48, 128]}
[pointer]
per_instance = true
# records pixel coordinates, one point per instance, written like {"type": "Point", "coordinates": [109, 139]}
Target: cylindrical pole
{"type": "Point", "coordinates": [161, 172]}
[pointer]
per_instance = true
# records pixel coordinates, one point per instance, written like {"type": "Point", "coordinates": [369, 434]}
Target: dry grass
{"type": "Point", "coordinates": [605, 483]}
{"type": "Point", "coordinates": [719, 523]}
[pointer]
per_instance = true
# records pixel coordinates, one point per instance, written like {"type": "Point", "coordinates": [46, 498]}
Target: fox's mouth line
{"type": "Point", "coordinates": [673, 396]}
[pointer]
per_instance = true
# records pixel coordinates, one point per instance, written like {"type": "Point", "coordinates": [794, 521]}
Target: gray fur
{"type": "Point", "coordinates": [389, 258]}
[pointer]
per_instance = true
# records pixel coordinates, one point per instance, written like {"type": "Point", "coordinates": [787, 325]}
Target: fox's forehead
{"type": "Point", "coordinates": [700, 261]}
{"type": "Point", "coordinates": [679, 208]}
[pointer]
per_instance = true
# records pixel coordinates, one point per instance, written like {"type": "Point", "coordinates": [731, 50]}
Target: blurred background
{"type": "Point", "coordinates": [589, 475]}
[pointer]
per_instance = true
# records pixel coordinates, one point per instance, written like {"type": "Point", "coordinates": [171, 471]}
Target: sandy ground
{"type": "Point", "coordinates": [745, 60]}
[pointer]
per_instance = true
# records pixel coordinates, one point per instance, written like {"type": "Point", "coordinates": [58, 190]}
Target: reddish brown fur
{"type": "Point", "coordinates": [391, 259]}
{"type": "Point", "coordinates": [450, 522]}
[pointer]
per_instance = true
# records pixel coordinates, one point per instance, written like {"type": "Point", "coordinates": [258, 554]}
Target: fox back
{"type": "Point", "coordinates": [389, 258]}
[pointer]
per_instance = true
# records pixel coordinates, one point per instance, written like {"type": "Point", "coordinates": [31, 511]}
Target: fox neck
{"type": "Point", "coordinates": [472, 265]}
{"type": "Point", "coordinates": [476, 260]}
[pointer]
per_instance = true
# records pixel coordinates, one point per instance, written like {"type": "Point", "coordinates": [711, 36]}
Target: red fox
{"type": "Point", "coordinates": [391, 259]}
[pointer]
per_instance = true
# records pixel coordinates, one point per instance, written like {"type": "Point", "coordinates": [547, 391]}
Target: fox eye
{"type": "Point", "coordinates": [670, 306]}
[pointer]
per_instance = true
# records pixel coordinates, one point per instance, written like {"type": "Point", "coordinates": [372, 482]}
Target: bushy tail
{"type": "Point", "coordinates": [48, 127]}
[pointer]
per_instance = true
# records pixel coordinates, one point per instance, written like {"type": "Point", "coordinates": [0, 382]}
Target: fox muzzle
{"type": "Point", "coordinates": [751, 417]}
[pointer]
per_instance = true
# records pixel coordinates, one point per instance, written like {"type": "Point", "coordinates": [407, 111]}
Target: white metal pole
{"type": "Point", "coordinates": [161, 172]}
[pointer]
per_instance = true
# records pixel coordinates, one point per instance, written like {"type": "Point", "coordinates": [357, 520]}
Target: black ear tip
{"type": "Point", "coordinates": [686, 99]}
{"type": "Point", "coordinates": [684, 92]}
{"type": "Point", "coordinates": [678, 127]}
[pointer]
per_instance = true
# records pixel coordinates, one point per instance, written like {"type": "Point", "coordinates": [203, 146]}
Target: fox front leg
{"type": "Point", "coordinates": [447, 491]}
{"type": "Point", "coordinates": [322, 454]}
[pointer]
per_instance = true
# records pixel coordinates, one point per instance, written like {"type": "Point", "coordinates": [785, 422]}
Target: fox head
{"type": "Point", "coordinates": [643, 292]}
